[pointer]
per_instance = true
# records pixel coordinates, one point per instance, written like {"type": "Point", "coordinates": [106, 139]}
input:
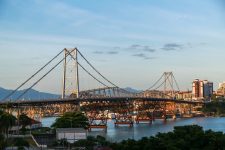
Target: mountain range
{"type": "Point", "coordinates": [34, 94]}
{"type": "Point", "coordinates": [129, 89]}
{"type": "Point", "coordinates": [30, 95]}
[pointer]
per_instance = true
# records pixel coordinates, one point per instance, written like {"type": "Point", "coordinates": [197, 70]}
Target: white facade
{"type": "Point", "coordinates": [71, 134]}
{"type": "Point", "coordinates": [221, 89]}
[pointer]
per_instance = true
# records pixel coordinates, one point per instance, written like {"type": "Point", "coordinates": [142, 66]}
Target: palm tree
{"type": "Point", "coordinates": [24, 120]}
{"type": "Point", "coordinates": [6, 122]}
{"type": "Point", "coordinates": [2, 138]}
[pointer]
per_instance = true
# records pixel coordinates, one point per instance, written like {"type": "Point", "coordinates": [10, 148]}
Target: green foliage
{"type": "Point", "coordinates": [2, 141]}
{"type": "Point", "coordinates": [2, 138]}
{"type": "Point", "coordinates": [20, 142]}
{"type": "Point", "coordinates": [6, 121]}
{"type": "Point", "coordinates": [184, 137]}
{"type": "Point", "coordinates": [217, 108]}
{"type": "Point", "coordinates": [42, 130]}
{"type": "Point", "coordinates": [71, 120]}
{"type": "Point", "coordinates": [1, 112]}
{"type": "Point", "coordinates": [190, 137]}
{"type": "Point", "coordinates": [24, 120]}
{"type": "Point", "coordinates": [21, 148]}
{"type": "Point", "coordinates": [90, 142]}
{"type": "Point", "coordinates": [62, 142]}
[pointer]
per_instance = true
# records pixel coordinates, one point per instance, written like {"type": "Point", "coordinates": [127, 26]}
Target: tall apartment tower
{"type": "Point", "coordinates": [196, 88]}
{"type": "Point", "coordinates": [202, 89]}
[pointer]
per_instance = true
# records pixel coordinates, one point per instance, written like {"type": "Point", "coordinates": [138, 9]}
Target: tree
{"type": "Point", "coordinates": [24, 120]}
{"type": "Point", "coordinates": [183, 137]}
{"type": "Point", "coordinates": [20, 142]}
{"type": "Point", "coordinates": [2, 141]}
{"type": "Point", "coordinates": [6, 122]}
{"type": "Point", "coordinates": [71, 120]}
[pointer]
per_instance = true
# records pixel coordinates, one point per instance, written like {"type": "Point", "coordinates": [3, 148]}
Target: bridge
{"type": "Point", "coordinates": [106, 101]}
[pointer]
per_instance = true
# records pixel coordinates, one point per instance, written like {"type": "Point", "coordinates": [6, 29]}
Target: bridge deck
{"type": "Point", "coordinates": [77, 101]}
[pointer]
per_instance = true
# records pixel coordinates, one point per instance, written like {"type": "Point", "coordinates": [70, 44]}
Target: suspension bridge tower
{"type": "Point", "coordinates": [70, 74]}
{"type": "Point", "coordinates": [170, 84]}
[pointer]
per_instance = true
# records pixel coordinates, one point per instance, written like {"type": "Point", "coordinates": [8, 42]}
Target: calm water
{"type": "Point", "coordinates": [142, 130]}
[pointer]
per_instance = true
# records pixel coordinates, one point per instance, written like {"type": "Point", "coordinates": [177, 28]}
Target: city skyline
{"type": "Point", "coordinates": [131, 43]}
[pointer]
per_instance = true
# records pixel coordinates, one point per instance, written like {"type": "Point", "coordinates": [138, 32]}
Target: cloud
{"type": "Point", "coordinates": [109, 52]}
{"type": "Point", "coordinates": [116, 47]}
{"type": "Point", "coordinates": [150, 58]}
{"type": "Point", "coordinates": [172, 47]}
{"type": "Point", "coordinates": [138, 47]}
{"type": "Point", "coordinates": [138, 50]}
{"type": "Point", "coordinates": [148, 49]}
{"type": "Point", "coordinates": [135, 46]}
{"type": "Point", "coordinates": [144, 56]}
{"type": "Point", "coordinates": [139, 55]}
{"type": "Point", "coordinates": [112, 52]}
{"type": "Point", "coordinates": [98, 52]}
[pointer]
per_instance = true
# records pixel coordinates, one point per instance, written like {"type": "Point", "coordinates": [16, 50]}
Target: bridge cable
{"type": "Point", "coordinates": [101, 74]}
{"type": "Point", "coordinates": [156, 82]}
{"type": "Point", "coordinates": [92, 75]}
{"type": "Point", "coordinates": [40, 79]}
{"type": "Point", "coordinates": [176, 82]}
{"type": "Point", "coordinates": [95, 69]}
{"type": "Point", "coordinates": [10, 94]}
{"type": "Point", "coordinates": [88, 71]}
{"type": "Point", "coordinates": [162, 84]}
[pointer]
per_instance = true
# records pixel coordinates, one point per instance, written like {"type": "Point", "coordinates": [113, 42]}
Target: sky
{"type": "Point", "coordinates": [130, 42]}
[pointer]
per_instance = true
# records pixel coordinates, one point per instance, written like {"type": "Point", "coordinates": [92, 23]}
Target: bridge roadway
{"type": "Point", "coordinates": [76, 101]}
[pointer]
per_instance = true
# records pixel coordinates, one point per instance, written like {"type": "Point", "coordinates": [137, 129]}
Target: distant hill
{"type": "Point", "coordinates": [129, 89]}
{"type": "Point", "coordinates": [30, 95]}
{"type": "Point", "coordinates": [36, 95]}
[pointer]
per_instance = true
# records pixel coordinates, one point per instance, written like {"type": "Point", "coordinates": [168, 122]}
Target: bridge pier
{"type": "Point", "coordinates": [97, 120]}
{"type": "Point", "coordinates": [123, 119]}
{"type": "Point", "coordinates": [144, 117]}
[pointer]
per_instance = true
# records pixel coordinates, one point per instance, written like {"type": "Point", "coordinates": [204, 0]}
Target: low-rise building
{"type": "Point", "coordinates": [221, 90]}
{"type": "Point", "coordinates": [184, 95]}
{"type": "Point", "coordinates": [71, 134]}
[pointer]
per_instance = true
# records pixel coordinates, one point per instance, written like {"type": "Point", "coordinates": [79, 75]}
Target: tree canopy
{"type": "Point", "coordinates": [71, 120]}
{"type": "Point", "coordinates": [190, 137]}
{"type": "Point", "coordinates": [6, 121]}
{"type": "Point", "coordinates": [24, 120]}
{"type": "Point", "coordinates": [183, 137]}
{"type": "Point", "coordinates": [215, 107]}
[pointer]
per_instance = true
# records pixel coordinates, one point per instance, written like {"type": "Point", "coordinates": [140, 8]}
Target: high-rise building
{"type": "Point", "coordinates": [202, 89]}
{"type": "Point", "coordinates": [195, 88]}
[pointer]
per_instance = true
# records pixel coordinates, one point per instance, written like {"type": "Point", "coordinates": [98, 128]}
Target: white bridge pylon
{"type": "Point", "coordinates": [70, 73]}
{"type": "Point", "coordinates": [165, 87]}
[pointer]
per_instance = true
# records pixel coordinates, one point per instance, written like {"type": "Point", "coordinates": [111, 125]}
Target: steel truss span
{"type": "Point", "coordinates": [124, 110]}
